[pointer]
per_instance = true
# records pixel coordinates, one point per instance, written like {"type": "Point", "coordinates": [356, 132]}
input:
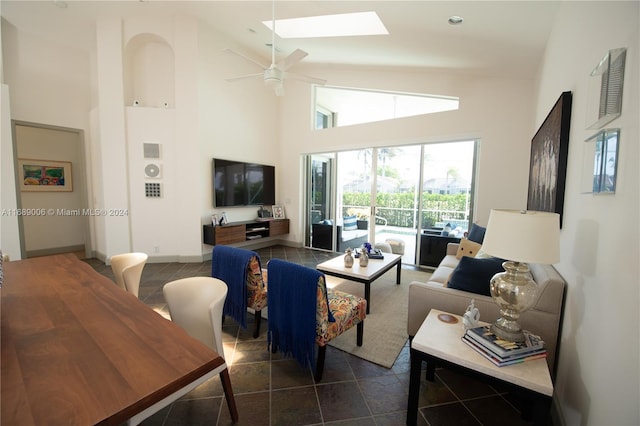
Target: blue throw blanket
{"type": "Point", "coordinates": [292, 297]}
{"type": "Point", "coordinates": [229, 264]}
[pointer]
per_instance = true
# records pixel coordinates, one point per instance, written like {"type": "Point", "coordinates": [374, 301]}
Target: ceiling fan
{"type": "Point", "coordinates": [275, 74]}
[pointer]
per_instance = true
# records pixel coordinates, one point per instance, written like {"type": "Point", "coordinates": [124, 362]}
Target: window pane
{"type": "Point", "coordinates": [356, 106]}
{"type": "Point", "coordinates": [446, 186]}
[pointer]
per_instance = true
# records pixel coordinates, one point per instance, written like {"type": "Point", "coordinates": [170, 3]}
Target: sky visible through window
{"type": "Point", "coordinates": [357, 106]}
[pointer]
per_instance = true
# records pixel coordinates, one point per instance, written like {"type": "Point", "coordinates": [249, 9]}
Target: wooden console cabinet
{"type": "Point", "coordinates": [239, 232]}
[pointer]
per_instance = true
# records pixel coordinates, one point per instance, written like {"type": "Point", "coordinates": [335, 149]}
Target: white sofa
{"type": "Point", "coordinates": [544, 318]}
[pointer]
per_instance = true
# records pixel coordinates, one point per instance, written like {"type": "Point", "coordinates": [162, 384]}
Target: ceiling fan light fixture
{"type": "Point", "coordinates": [272, 77]}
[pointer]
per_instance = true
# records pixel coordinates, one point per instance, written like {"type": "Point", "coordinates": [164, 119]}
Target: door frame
{"type": "Point", "coordinates": [80, 180]}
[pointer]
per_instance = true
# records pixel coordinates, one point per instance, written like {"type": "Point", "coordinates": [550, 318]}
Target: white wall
{"type": "Point", "coordinates": [56, 94]}
{"type": "Point", "coordinates": [598, 378]}
{"type": "Point", "coordinates": [497, 112]}
{"type": "Point", "coordinates": [237, 121]}
{"type": "Point", "coordinates": [9, 236]}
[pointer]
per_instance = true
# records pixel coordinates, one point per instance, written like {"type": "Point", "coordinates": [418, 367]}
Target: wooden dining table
{"type": "Point", "coordinates": [79, 350]}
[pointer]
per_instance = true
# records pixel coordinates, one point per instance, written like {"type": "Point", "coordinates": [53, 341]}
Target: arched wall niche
{"type": "Point", "coordinates": [149, 72]}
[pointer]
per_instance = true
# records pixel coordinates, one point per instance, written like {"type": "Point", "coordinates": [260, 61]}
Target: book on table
{"type": "Point", "coordinates": [373, 254]}
{"type": "Point", "coordinates": [501, 362]}
{"type": "Point", "coordinates": [504, 348]}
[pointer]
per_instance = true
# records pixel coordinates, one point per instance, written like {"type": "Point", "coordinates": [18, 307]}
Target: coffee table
{"type": "Point", "coordinates": [440, 343]}
{"type": "Point", "coordinates": [363, 274]}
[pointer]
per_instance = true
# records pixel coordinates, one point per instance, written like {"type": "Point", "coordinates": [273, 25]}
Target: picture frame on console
{"type": "Point", "coordinates": [278, 212]}
{"type": "Point", "coordinates": [548, 162]}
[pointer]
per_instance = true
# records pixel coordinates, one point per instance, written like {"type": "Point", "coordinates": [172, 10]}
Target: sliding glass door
{"type": "Point", "coordinates": [354, 198]}
{"type": "Point", "coordinates": [320, 212]}
{"type": "Point", "coordinates": [396, 201]}
{"type": "Point", "coordinates": [390, 195]}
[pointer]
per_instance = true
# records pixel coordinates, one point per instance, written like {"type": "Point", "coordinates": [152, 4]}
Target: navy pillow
{"type": "Point", "coordinates": [476, 234]}
{"type": "Point", "coordinates": [474, 275]}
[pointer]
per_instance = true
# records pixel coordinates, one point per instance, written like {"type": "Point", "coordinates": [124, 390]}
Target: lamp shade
{"type": "Point", "coordinates": [523, 236]}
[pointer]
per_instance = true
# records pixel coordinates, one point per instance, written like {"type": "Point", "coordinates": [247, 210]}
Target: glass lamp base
{"type": "Point", "coordinates": [514, 292]}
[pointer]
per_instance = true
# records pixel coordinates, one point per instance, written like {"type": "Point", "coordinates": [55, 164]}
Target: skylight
{"type": "Point", "coordinates": [342, 25]}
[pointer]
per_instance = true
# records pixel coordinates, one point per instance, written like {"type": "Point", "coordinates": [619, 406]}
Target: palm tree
{"type": "Point", "coordinates": [455, 174]}
{"type": "Point", "coordinates": [384, 154]}
{"type": "Point", "coordinates": [366, 153]}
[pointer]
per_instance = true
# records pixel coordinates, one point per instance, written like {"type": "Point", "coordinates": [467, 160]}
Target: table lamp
{"type": "Point", "coordinates": [519, 237]}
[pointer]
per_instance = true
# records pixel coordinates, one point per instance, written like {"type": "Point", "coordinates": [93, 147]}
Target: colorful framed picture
{"type": "Point", "coordinates": [45, 175]}
{"type": "Point", "coordinates": [548, 162]}
{"type": "Point", "coordinates": [278, 212]}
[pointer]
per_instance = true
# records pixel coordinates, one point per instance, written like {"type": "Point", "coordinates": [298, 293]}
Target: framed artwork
{"type": "Point", "coordinates": [548, 162]}
{"type": "Point", "coordinates": [601, 162]}
{"type": "Point", "coordinates": [45, 175]}
{"type": "Point", "coordinates": [278, 212]}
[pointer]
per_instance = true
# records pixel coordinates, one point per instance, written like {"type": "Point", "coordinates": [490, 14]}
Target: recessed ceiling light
{"type": "Point", "coordinates": [60, 4]}
{"type": "Point", "coordinates": [346, 24]}
{"type": "Point", "coordinates": [455, 20]}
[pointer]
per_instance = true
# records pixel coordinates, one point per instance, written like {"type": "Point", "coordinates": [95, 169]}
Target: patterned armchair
{"type": "Point", "coordinates": [303, 313]}
{"type": "Point", "coordinates": [241, 270]}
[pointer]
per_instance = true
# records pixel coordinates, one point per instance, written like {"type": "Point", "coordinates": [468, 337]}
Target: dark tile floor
{"type": "Point", "coordinates": [272, 390]}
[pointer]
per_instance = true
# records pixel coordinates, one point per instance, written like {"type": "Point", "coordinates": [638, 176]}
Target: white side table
{"type": "Point", "coordinates": [440, 343]}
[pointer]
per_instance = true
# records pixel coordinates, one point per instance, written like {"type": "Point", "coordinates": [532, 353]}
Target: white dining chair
{"type": "Point", "coordinates": [127, 269]}
{"type": "Point", "coordinates": [195, 304]}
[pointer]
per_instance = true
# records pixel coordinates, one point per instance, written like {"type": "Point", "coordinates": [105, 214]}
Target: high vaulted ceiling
{"type": "Point", "coordinates": [497, 38]}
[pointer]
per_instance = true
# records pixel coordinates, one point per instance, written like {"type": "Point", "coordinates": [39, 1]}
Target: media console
{"type": "Point", "coordinates": [239, 232]}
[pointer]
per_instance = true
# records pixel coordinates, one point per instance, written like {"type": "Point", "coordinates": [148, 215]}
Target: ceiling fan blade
{"type": "Point", "coordinates": [292, 59]}
{"type": "Point", "coordinates": [260, 64]}
{"type": "Point", "coordinates": [244, 77]}
{"type": "Point", "coordinates": [304, 78]}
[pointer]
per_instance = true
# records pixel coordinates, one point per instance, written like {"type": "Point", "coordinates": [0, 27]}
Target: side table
{"type": "Point", "coordinates": [440, 343]}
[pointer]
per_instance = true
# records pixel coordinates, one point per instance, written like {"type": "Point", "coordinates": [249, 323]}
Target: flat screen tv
{"type": "Point", "coordinates": [236, 183]}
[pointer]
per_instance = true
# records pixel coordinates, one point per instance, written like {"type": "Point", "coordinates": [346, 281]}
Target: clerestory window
{"type": "Point", "coordinates": [339, 106]}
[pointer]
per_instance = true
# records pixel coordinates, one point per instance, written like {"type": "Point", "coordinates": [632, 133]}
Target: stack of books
{"type": "Point", "coordinates": [503, 352]}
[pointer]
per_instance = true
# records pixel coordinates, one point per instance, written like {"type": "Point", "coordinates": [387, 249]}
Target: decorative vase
{"type": "Point", "coordinates": [348, 259]}
{"type": "Point", "coordinates": [364, 258]}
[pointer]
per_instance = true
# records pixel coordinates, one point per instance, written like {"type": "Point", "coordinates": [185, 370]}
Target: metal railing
{"type": "Point", "coordinates": [406, 217]}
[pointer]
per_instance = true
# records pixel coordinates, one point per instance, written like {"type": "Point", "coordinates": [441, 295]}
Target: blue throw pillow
{"type": "Point", "coordinates": [476, 234]}
{"type": "Point", "coordinates": [350, 223]}
{"type": "Point", "coordinates": [474, 275]}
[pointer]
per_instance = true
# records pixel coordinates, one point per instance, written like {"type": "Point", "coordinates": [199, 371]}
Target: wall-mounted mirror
{"type": "Point", "coordinates": [601, 162]}
{"type": "Point", "coordinates": [605, 89]}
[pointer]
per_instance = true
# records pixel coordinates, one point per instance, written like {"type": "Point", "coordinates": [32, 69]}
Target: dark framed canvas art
{"type": "Point", "coordinates": [548, 162]}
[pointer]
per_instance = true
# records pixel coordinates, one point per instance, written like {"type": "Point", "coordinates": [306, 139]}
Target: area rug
{"type": "Point", "coordinates": [385, 328]}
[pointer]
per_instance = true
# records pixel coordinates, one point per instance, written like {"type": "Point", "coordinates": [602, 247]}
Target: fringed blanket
{"type": "Point", "coordinates": [230, 265]}
{"type": "Point", "coordinates": [292, 310]}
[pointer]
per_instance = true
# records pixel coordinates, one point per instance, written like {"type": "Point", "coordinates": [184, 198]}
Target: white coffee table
{"type": "Point", "coordinates": [440, 343]}
{"type": "Point", "coordinates": [363, 274]}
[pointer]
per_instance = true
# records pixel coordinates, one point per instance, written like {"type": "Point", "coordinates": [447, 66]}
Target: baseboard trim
{"type": "Point", "coordinates": [55, 250]}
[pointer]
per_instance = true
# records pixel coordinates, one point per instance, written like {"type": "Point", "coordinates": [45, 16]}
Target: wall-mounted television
{"type": "Point", "coordinates": [236, 183]}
